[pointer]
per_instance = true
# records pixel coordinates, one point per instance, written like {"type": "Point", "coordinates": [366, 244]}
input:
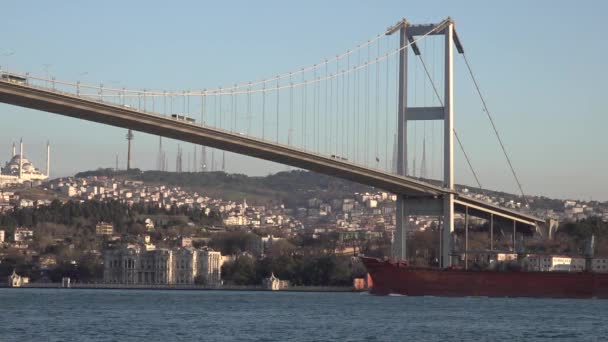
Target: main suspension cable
{"type": "Point", "coordinates": [487, 111]}
{"type": "Point", "coordinates": [466, 156]}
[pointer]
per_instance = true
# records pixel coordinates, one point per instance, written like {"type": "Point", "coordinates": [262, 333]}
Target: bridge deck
{"type": "Point", "coordinates": [485, 210]}
{"type": "Point", "coordinates": [119, 116]}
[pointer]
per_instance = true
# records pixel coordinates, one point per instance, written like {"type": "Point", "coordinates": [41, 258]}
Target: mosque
{"type": "Point", "coordinates": [19, 169]}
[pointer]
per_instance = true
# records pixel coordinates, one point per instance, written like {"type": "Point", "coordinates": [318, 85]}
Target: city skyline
{"type": "Point", "coordinates": [549, 152]}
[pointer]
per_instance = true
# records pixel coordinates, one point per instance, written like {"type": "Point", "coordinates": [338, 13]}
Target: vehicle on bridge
{"type": "Point", "coordinates": [183, 118]}
{"type": "Point", "coordinates": [14, 79]}
{"type": "Point", "coordinates": [339, 157]}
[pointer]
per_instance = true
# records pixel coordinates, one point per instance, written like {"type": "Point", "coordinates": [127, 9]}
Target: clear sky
{"type": "Point", "coordinates": [541, 64]}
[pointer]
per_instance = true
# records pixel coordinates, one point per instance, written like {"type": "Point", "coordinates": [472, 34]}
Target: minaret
{"type": "Point", "coordinates": [189, 169]}
{"type": "Point", "coordinates": [159, 161]}
{"type": "Point", "coordinates": [395, 154]}
{"type": "Point", "coordinates": [14, 150]}
{"type": "Point", "coordinates": [20, 158]}
{"type": "Point", "coordinates": [178, 160]}
{"type": "Point", "coordinates": [203, 158]}
{"type": "Point", "coordinates": [212, 159]}
{"type": "Point", "coordinates": [414, 166]}
{"type": "Point", "coordinates": [194, 165]}
{"type": "Point", "coordinates": [423, 166]}
{"type": "Point", "coordinates": [48, 159]}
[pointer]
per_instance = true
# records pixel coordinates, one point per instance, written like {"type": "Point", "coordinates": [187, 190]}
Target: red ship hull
{"type": "Point", "coordinates": [397, 278]}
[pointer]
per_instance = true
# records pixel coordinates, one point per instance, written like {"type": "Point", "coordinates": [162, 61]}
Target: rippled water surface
{"type": "Point", "coordinates": [134, 315]}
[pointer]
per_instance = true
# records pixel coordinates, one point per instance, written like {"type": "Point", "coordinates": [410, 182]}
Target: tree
{"type": "Point", "coordinates": [200, 280]}
{"type": "Point", "coordinates": [240, 272]}
{"type": "Point", "coordinates": [281, 248]}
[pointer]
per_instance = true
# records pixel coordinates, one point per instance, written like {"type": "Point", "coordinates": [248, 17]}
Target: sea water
{"type": "Point", "coordinates": [155, 315]}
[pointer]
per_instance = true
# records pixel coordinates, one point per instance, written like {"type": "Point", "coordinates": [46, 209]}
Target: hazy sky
{"type": "Point", "coordinates": [542, 66]}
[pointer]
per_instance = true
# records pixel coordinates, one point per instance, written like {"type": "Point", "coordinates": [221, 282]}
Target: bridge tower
{"type": "Point", "coordinates": [399, 244]}
{"type": "Point", "coordinates": [426, 206]}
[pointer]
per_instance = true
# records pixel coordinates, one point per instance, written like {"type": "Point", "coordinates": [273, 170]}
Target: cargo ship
{"type": "Point", "coordinates": [390, 277]}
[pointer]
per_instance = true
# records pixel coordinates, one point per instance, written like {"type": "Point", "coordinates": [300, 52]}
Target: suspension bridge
{"type": "Point", "coordinates": [361, 115]}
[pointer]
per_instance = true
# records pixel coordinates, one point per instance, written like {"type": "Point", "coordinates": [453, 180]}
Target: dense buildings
{"type": "Point", "coordinates": [150, 235]}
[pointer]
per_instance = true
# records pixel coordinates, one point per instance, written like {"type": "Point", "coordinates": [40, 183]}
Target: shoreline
{"type": "Point", "coordinates": [185, 287]}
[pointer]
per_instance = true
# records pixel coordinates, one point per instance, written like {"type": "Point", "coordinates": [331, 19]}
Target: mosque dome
{"type": "Point", "coordinates": [28, 168]}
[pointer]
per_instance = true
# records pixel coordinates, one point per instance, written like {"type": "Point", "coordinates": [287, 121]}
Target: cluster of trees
{"type": "Point", "coordinates": [77, 214]}
{"type": "Point", "coordinates": [66, 232]}
{"type": "Point", "coordinates": [233, 243]}
{"type": "Point", "coordinates": [583, 229]}
{"type": "Point", "coordinates": [69, 213]}
{"type": "Point", "coordinates": [327, 270]}
{"type": "Point", "coordinates": [76, 264]}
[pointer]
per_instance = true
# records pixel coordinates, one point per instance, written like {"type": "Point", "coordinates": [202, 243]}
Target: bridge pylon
{"type": "Point", "coordinates": [440, 206]}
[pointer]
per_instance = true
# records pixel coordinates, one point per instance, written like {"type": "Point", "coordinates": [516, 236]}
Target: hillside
{"type": "Point", "coordinates": [289, 187]}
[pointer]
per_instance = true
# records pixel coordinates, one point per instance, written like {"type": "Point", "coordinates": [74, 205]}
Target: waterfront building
{"type": "Point", "coordinates": [210, 267]}
{"type": "Point", "coordinates": [185, 265]}
{"type": "Point", "coordinates": [120, 265]}
{"type": "Point", "coordinates": [15, 280]}
{"type": "Point", "coordinates": [273, 283]}
{"type": "Point", "coordinates": [156, 267]}
{"type": "Point", "coordinates": [135, 264]}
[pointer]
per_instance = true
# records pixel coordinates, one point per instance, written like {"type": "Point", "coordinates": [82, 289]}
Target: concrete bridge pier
{"type": "Point", "coordinates": [400, 238]}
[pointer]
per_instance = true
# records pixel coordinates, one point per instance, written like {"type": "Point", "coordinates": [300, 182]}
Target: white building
{"type": "Point", "coordinates": [15, 280]}
{"type": "Point", "coordinates": [69, 190]}
{"type": "Point", "coordinates": [134, 264]}
{"type": "Point", "coordinates": [19, 169]}
{"type": "Point", "coordinates": [185, 265]}
{"type": "Point", "coordinates": [235, 220]}
{"type": "Point", "coordinates": [2, 235]}
{"type": "Point", "coordinates": [103, 228]}
{"type": "Point", "coordinates": [551, 263]}
{"type": "Point", "coordinates": [273, 283]}
{"type": "Point", "coordinates": [210, 266]}
{"type": "Point", "coordinates": [22, 234]}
